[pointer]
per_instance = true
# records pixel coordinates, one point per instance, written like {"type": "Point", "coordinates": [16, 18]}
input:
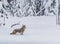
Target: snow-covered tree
{"type": "Point", "coordinates": [20, 8]}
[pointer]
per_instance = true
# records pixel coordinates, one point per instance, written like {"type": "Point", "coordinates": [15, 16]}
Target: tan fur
{"type": "Point", "coordinates": [21, 30]}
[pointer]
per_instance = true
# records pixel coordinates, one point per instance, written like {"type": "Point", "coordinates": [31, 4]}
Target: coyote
{"type": "Point", "coordinates": [21, 30]}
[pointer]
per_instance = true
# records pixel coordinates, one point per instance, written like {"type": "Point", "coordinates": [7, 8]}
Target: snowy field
{"type": "Point", "coordinates": [40, 30]}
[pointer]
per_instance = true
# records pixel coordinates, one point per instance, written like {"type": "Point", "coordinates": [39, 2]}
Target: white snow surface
{"type": "Point", "coordinates": [40, 30]}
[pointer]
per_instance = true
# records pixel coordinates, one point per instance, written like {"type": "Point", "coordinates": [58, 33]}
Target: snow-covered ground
{"type": "Point", "coordinates": [40, 30]}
